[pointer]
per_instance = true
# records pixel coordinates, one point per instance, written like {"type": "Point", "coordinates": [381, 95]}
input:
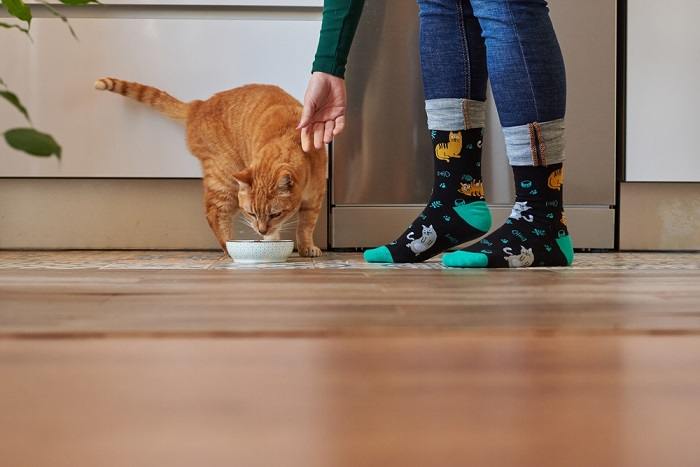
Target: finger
{"type": "Point", "coordinates": [306, 115]}
{"type": "Point", "coordinates": [328, 133]}
{"type": "Point", "coordinates": [306, 139]}
{"type": "Point", "coordinates": [319, 129]}
{"type": "Point", "coordinates": [339, 125]}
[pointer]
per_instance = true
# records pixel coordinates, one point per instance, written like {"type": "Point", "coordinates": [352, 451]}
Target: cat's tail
{"type": "Point", "coordinates": [159, 100]}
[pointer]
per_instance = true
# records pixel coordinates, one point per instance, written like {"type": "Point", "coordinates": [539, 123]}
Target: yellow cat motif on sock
{"type": "Point", "coordinates": [556, 179]}
{"type": "Point", "coordinates": [452, 149]}
{"type": "Point", "coordinates": [472, 189]}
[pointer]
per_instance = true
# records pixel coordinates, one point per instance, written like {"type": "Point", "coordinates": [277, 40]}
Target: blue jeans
{"type": "Point", "coordinates": [464, 42]}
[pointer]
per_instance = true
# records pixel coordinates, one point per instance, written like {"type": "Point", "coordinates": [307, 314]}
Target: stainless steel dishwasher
{"type": "Point", "coordinates": [382, 165]}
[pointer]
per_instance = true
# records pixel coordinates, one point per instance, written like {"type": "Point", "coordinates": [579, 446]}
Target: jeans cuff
{"type": "Point", "coordinates": [455, 114]}
{"type": "Point", "coordinates": [535, 144]}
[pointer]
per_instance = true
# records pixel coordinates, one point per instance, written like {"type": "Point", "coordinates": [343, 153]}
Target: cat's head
{"type": "Point", "coordinates": [428, 230]}
{"type": "Point", "coordinates": [268, 197]}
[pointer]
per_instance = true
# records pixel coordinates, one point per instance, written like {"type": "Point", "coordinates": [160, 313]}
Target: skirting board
{"type": "Point", "coordinates": [365, 226]}
{"type": "Point", "coordinates": [110, 214]}
{"type": "Point", "coordinates": [660, 216]}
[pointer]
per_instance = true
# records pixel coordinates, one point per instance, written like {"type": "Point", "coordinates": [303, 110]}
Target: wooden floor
{"type": "Point", "coordinates": [182, 358]}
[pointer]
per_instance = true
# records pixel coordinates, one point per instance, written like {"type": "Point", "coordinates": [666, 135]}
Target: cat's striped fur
{"type": "Point", "coordinates": [251, 156]}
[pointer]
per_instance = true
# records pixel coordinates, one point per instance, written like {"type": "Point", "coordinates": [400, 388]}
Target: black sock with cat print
{"type": "Point", "coordinates": [535, 233]}
{"type": "Point", "coordinates": [456, 211]}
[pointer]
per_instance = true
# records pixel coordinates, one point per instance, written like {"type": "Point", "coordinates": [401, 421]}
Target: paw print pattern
{"type": "Point", "coordinates": [452, 240]}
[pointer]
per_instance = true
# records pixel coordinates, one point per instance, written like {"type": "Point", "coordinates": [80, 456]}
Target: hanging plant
{"type": "Point", "coordinates": [29, 139]}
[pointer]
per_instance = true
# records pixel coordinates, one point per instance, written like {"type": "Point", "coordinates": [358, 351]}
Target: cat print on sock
{"type": "Point", "coordinates": [424, 243]}
{"type": "Point", "coordinates": [456, 211]}
{"type": "Point", "coordinates": [525, 259]}
{"type": "Point", "coordinates": [536, 227]}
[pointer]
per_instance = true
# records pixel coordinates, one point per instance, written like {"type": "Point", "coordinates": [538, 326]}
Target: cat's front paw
{"type": "Point", "coordinates": [311, 251]}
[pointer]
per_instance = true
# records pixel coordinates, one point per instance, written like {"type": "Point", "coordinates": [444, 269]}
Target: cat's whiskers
{"type": "Point", "coordinates": [288, 226]}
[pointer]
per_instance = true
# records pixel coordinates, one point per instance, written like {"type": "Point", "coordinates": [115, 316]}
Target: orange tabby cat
{"type": "Point", "coordinates": [250, 150]}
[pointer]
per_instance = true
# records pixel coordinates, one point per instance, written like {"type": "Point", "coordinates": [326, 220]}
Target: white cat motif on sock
{"type": "Point", "coordinates": [524, 260]}
{"type": "Point", "coordinates": [518, 210]}
{"type": "Point", "coordinates": [424, 243]}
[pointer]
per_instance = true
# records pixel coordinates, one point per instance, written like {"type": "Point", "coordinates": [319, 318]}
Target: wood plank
{"type": "Point", "coordinates": [199, 295]}
{"type": "Point", "coordinates": [500, 401]}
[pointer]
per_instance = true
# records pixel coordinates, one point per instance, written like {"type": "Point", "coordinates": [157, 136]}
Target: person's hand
{"type": "Point", "coordinates": [323, 116]}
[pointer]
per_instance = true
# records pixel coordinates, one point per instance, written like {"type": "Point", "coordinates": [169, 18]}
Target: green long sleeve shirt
{"type": "Point", "coordinates": [340, 20]}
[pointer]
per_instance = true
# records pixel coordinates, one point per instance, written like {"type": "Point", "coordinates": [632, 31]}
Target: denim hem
{"type": "Point", "coordinates": [535, 144]}
{"type": "Point", "coordinates": [455, 114]}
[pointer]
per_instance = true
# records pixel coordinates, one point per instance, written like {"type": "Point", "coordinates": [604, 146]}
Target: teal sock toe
{"type": "Point", "coordinates": [465, 259]}
{"type": "Point", "coordinates": [378, 255]}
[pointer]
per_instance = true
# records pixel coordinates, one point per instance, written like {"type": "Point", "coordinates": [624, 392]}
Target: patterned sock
{"type": "Point", "coordinates": [456, 211]}
{"type": "Point", "coordinates": [535, 234]}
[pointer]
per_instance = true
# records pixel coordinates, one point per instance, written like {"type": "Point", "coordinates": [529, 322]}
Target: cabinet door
{"type": "Point", "coordinates": [106, 135]}
{"type": "Point", "coordinates": [663, 96]}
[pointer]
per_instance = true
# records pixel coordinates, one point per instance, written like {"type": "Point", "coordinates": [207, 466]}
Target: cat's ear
{"type": "Point", "coordinates": [244, 179]}
{"type": "Point", "coordinates": [285, 183]}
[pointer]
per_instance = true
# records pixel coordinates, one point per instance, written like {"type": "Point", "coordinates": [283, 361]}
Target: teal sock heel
{"type": "Point", "coordinates": [476, 214]}
{"type": "Point", "coordinates": [566, 245]}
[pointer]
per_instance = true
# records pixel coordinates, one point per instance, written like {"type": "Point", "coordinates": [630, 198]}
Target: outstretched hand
{"type": "Point", "coordinates": [323, 116]}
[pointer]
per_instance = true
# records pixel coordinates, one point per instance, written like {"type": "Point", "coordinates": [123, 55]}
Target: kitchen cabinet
{"type": "Point", "coordinates": [106, 135]}
{"type": "Point", "coordinates": [663, 96]}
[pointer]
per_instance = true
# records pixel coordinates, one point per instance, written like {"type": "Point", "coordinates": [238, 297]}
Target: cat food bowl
{"type": "Point", "coordinates": [260, 251]}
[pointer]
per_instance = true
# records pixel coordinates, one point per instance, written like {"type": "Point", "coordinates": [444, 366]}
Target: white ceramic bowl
{"type": "Point", "coordinates": [260, 251]}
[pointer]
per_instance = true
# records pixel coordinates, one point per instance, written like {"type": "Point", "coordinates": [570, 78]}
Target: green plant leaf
{"type": "Point", "coordinates": [18, 9]}
{"type": "Point", "coordinates": [14, 26]}
{"type": "Point", "coordinates": [58, 14]}
{"type": "Point", "coordinates": [33, 142]}
{"type": "Point", "coordinates": [12, 98]}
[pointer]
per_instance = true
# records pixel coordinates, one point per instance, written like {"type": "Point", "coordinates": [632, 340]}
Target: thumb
{"type": "Point", "coordinates": [306, 115]}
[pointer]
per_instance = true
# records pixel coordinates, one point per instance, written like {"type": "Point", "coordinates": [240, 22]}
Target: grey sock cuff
{"type": "Point", "coordinates": [535, 144]}
{"type": "Point", "coordinates": [455, 114]}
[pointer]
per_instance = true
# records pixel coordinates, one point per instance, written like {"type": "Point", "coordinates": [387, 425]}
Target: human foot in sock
{"type": "Point", "coordinates": [456, 211]}
{"type": "Point", "coordinates": [535, 234]}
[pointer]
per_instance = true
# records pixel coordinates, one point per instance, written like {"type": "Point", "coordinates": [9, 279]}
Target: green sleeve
{"type": "Point", "coordinates": [340, 20]}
